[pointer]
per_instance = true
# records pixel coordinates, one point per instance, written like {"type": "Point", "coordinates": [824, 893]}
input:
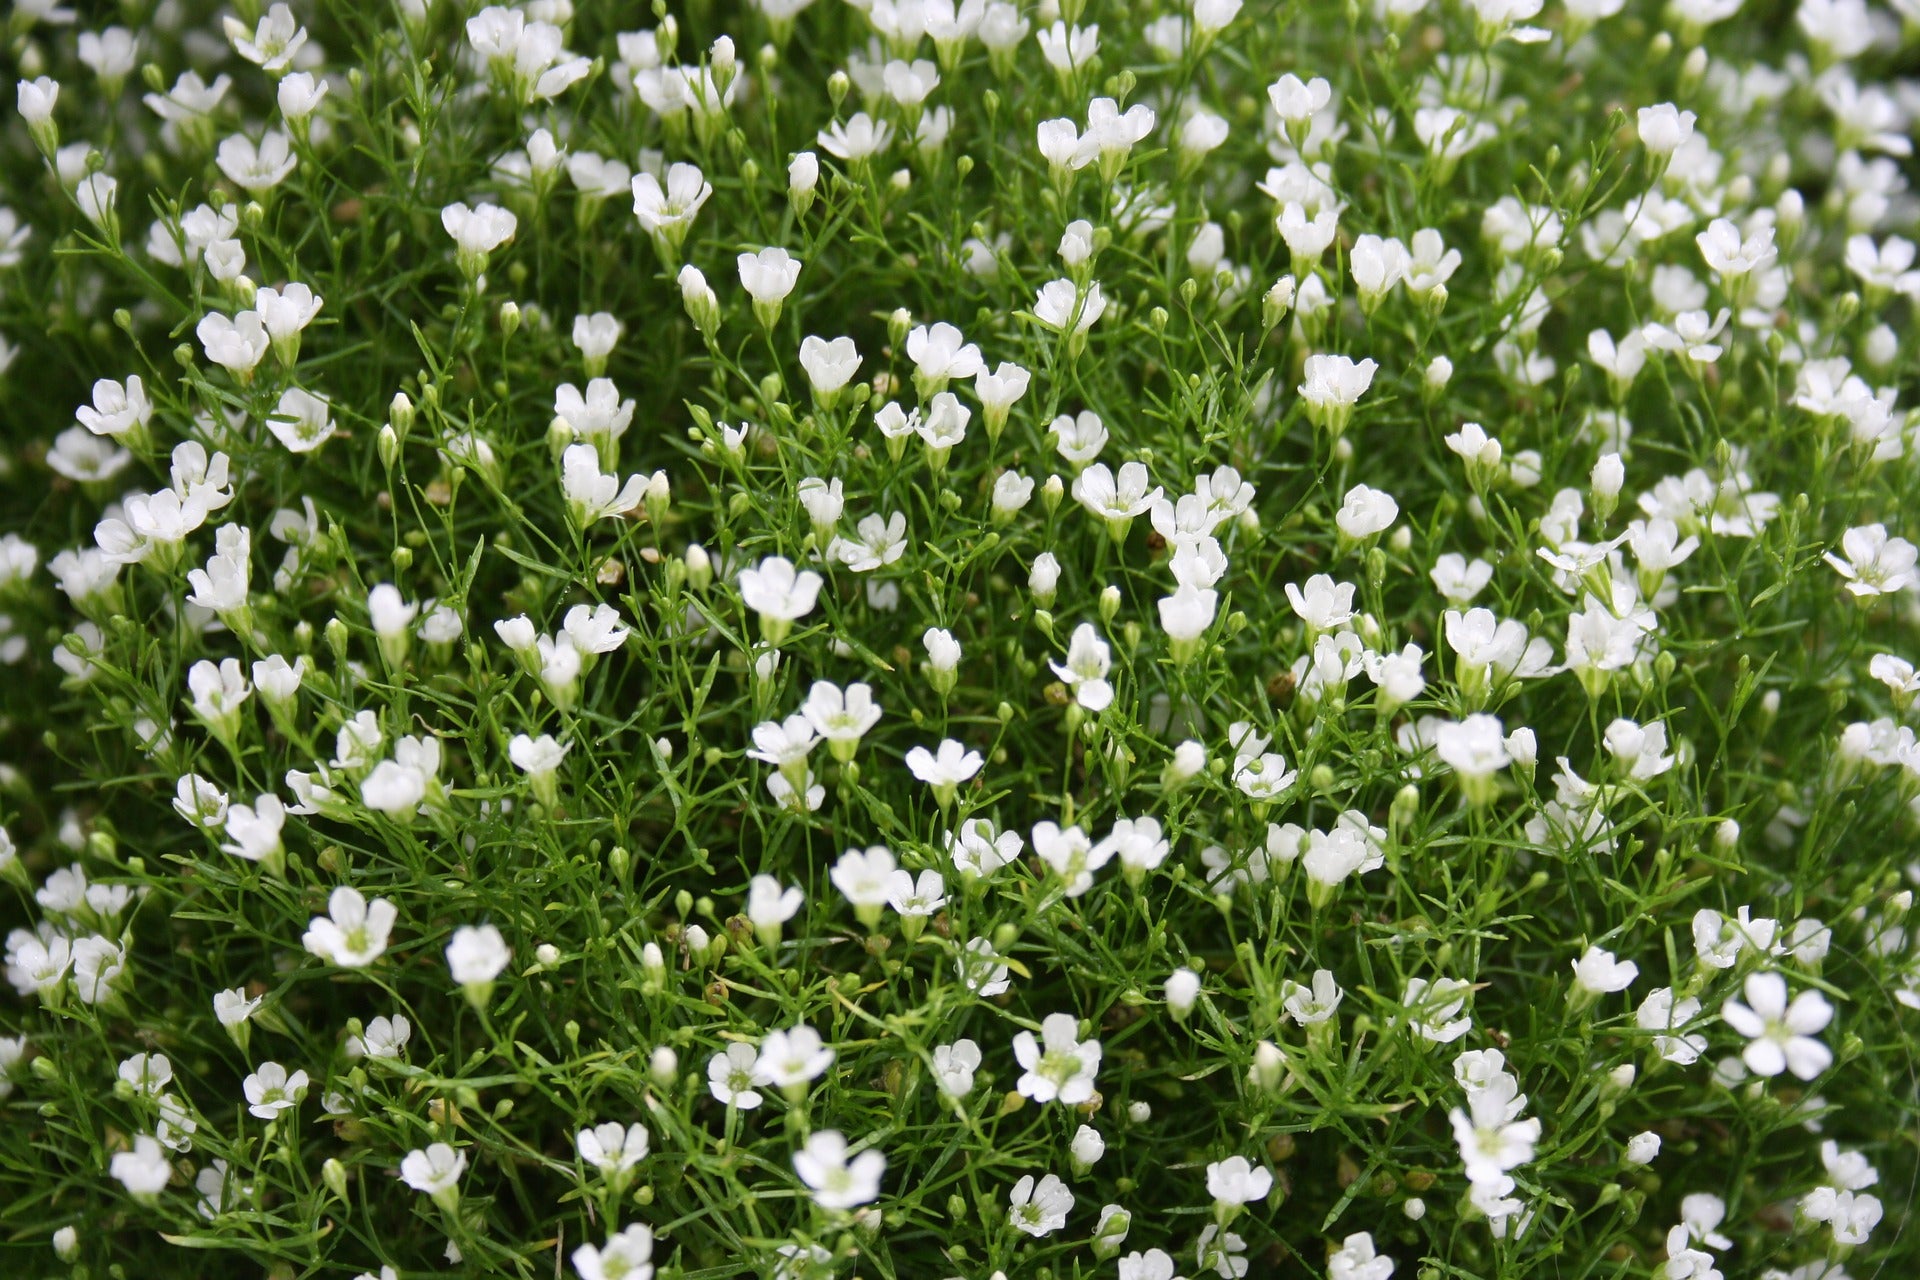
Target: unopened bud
{"type": "Point", "coordinates": [1269, 1067]}
{"type": "Point", "coordinates": [334, 1174]}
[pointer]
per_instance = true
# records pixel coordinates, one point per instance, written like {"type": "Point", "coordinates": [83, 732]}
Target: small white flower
{"type": "Point", "coordinates": [1085, 670]}
{"type": "Point", "coordinates": [1041, 1208]}
{"type": "Point", "coordinates": [731, 1075]}
{"type": "Point", "coordinates": [1235, 1181]}
{"type": "Point", "coordinates": [794, 1057]}
{"type": "Point", "coordinates": [270, 1090]}
{"type": "Point", "coordinates": [836, 1181]}
{"type": "Point", "coordinates": [354, 932]}
{"type": "Point", "coordinates": [477, 954]}
{"type": "Point", "coordinates": [434, 1170]}
{"type": "Point", "coordinates": [1059, 1066]}
{"type": "Point", "coordinates": [1780, 1035]}
{"type": "Point", "coordinates": [1597, 972]}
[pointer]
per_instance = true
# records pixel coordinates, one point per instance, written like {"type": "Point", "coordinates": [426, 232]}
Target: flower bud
{"type": "Point", "coordinates": [1609, 474]}
{"type": "Point", "coordinates": [803, 176]}
{"type": "Point", "coordinates": [1269, 1070]}
{"type": "Point", "coordinates": [663, 1066]}
{"type": "Point", "coordinates": [1182, 991]}
{"type": "Point", "coordinates": [334, 1174]}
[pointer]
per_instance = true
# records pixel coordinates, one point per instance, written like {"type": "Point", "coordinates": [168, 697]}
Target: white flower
{"type": "Point", "coordinates": [768, 276]}
{"type": "Point", "coordinates": [36, 99]}
{"type": "Point", "coordinates": [354, 932]}
{"type": "Point", "coordinates": [836, 1182]}
{"type": "Point", "coordinates": [1640, 750]}
{"type": "Point", "coordinates": [233, 1007]}
{"type": "Point", "coordinates": [384, 1038]}
{"type": "Point", "coordinates": [1310, 1006]}
{"type": "Point", "coordinates": [612, 1149]}
{"type": "Point", "coordinates": [1661, 1014]}
{"type": "Point", "coordinates": [300, 95]}
{"type": "Point", "coordinates": [944, 427]}
{"type": "Point", "coordinates": [791, 1058]}
{"type": "Point", "coordinates": [1234, 1181]}
{"type": "Point", "coordinates": [1224, 1253]}
{"type": "Point", "coordinates": [1718, 940]}
{"type": "Point", "coordinates": [273, 43]}
{"type": "Point", "coordinates": [286, 312]}
{"type": "Point", "coordinates": [260, 167]}
{"type": "Point", "coordinates": [1352, 847]}
{"type": "Point", "coordinates": [921, 897]}
{"type": "Point", "coordinates": [1474, 748]}
{"type": "Point", "coordinates": [983, 972]}
{"type": "Point", "coordinates": [236, 344]}
{"type": "Point", "coordinates": [1664, 128]}
{"type": "Point", "coordinates": [1116, 498]}
{"type": "Point", "coordinates": [435, 1170]}
{"type": "Point", "coordinates": [144, 1170]}
{"type": "Point", "coordinates": [253, 832]}
{"type": "Point", "coordinates": [1066, 48]}
{"type": "Point", "coordinates": [1366, 512]}
{"type": "Point", "coordinates": [1434, 1009]}
{"type": "Point", "coordinates": [120, 410]}
{"type": "Point", "coordinates": [731, 1075]}
{"type": "Point", "coordinates": [1356, 1260]}
{"type": "Point", "coordinates": [865, 878]}
{"type": "Point", "coordinates": [1041, 1208]}
{"type": "Point", "coordinates": [1492, 1137]}
{"type": "Point", "coordinates": [857, 140]}
{"type": "Point", "coordinates": [146, 1073]}
{"type": "Point", "coordinates": [954, 1065]}
{"type": "Point", "coordinates": [477, 954]}
{"type": "Point", "coordinates": [940, 354]}
{"type": "Point", "coordinates": [877, 543]}
{"type": "Point", "coordinates": [538, 758]}
{"type": "Point", "coordinates": [829, 366]}
{"type": "Point", "coordinates": [477, 232]}
{"type": "Point", "coordinates": [1062, 307]}
{"type": "Point", "coordinates": [1059, 1066]}
{"type": "Point", "coordinates": [1848, 1170]}
{"type": "Point", "coordinates": [1334, 384]}
{"type": "Point", "coordinates": [778, 592]}
{"type": "Point", "coordinates": [977, 850]}
{"type": "Point", "coordinates": [595, 336]}
{"type": "Point", "coordinates": [1071, 855]}
{"type": "Point", "coordinates": [1297, 102]}
{"type": "Point", "coordinates": [1085, 1148]}
{"type": "Point", "coordinates": [1597, 972]}
{"type": "Point", "coordinates": [946, 767]}
{"type": "Point", "coordinates": [599, 416]}
{"type": "Point", "coordinates": [592, 495]}
{"type": "Point", "coordinates": [1324, 605]}
{"type": "Point", "coordinates": [769, 905]}
{"type": "Point", "coordinates": [1876, 563]}
{"type": "Point", "coordinates": [627, 1255]}
{"type": "Point", "coordinates": [1078, 438]}
{"type": "Point", "coordinates": [1085, 670]}
{"type": "Point", "coordinates": [301, 421]}
{"type": "Point", "coordinates": [1780, 1035]}
{"type": "Point", "coordinates": [1137, 842]}
{"type": "Point", "coordinates": [270, 1090]}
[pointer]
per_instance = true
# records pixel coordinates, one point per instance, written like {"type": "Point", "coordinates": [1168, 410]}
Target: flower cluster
{"type": "Point", "coordinates": [961, 638]}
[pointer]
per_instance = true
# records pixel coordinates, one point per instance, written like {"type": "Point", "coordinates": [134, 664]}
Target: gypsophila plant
{"type": "Point", "coordinates": [960, 639]}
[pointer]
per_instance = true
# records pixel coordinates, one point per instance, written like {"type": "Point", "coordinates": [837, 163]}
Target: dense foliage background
{"type": "Point", "coordinates": [1766, 770]}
